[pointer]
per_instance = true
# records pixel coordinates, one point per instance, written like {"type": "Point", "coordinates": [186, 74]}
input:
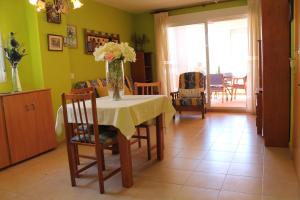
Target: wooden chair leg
{"type": "Point", "coordinates": [99, 153]}
{"type": "Point", "coordinates": [72, 163]}
{"type": "Point", "coordinates": [77, 155]}
{"type": "Point", "coordinates": [148, 143]}
{"type": "Point", "coordinates": [103, 160]}
{"type": "Point", "coordinates": [139, 139]}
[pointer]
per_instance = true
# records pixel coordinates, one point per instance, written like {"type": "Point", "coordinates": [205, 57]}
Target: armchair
{"type": "Point", "coordinates": [190, 96]}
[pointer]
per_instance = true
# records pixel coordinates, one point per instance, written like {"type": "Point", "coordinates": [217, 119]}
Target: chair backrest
{"type": "Point", "coordinates": [191, 80]}
{"type": "Point", "coordinates": [216, 79]}
{"type": "Point", "coordinates": [242, 81]}
{"type": "Point", "coordinates": [82, 90]}
{"type": "Point", "coordinates": [153, 88]}
{"type": "Point", "coordinates": [76, 105]}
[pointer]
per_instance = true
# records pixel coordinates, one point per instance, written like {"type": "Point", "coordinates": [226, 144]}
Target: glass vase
{"type": "Point", "coordinates": [115, 79]}
{"type": "Point", "coordinates": [16, 84]}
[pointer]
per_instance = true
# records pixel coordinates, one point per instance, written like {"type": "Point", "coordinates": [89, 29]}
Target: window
{"type": "Point", "coordinates": [2, 64]}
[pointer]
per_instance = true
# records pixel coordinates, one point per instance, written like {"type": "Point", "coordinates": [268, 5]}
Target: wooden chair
{"type": "Point", "coordinates": [114, 148]}
{"type": "Point", "coordinates": [153, 88]}
{"type": "Point", "coordinates": [78, 134]}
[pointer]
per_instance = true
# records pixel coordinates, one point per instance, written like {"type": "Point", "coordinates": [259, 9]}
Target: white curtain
{"type": "Point", "coordinates": [187, 51]}
{"type": "Point", "coordinates": [254, 15]}
{"type": "Point", "coordinates": [2, 64]}
{"type": "Point", "coordinates": [161, 41]}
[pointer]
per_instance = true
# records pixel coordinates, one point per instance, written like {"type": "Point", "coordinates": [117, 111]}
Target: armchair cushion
{"type": "Point", "coordinates": [191, 80]}
{"type": "Point", "coordinates": [190, 93]}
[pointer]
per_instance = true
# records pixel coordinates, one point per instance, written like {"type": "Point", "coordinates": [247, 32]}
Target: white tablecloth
{"type": "Point", "coordinates": [125, 114]}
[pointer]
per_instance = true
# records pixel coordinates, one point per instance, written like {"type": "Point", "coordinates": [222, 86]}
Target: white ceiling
{"type": "Point", "coordinates": [139, 6]}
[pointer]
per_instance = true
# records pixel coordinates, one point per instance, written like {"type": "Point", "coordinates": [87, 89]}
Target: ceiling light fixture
{"type": "Point", "coordinates": [61, 6]}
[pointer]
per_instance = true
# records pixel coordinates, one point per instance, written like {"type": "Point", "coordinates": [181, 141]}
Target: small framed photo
{"type": "Point", "coordinates": [72, 36]}
{"type": "Point", "coordinates": [52, 15]}
{"type": "Point", "coordinates": [55, 42]}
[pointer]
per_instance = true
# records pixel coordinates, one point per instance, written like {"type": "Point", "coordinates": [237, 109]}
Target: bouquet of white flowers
{"type": "Point", "coordinates": [113, 51]}
{"type": "Point", "coordinates": [115, 55]}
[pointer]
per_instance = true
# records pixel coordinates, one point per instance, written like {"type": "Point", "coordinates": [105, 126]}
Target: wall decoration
{"type": "Point", "coordinates": [139, 41]}
{"type": "Point", "coordinates": [53, 16]}
{"type": "Point", "coordinates": [95, 39]}
{"type": "Point", "coordinates": [55, 42]}
{"type": "Point", "coordinates": [71, 36]}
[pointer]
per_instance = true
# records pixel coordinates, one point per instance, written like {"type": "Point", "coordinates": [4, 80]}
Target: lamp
{"type": "Point", "coordinates": [60, 5]}
{"type": "Point", "coordinates": [76, 4]}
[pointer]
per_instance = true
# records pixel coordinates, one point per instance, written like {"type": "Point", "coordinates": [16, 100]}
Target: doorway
{"type": "Point", "coordinates": [219, 50]}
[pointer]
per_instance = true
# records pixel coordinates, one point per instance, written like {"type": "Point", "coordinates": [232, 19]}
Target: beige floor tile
{"type": "Point", "coordinates": [224, 147]}
{"type": "Point", "coordinates": [166, 175]}
{"type": "Point", "coordinates": [250, 158]}
{"type": "Point", "coordinates": [244, 169]}
{"type": "Point", "coordinates": [206, 180]}
{"type": "Point", "coordinates": [219, 156]}
{"type": "Point", "coordinates": [213, 167]}
{"type": "Point", "coordinates": [192, 193]}
{"type": "Point", "coordinates": [242, 184]}
{"type": "Point", "coordinates": [156, 191]}
{"type": "Point", "coordinates": [192, 154]}
{"type": "Point", "coordinates": [225, 195]}
{"type": "Point", "coordinates": [180, 163]}
{"type": "Point", "coordinates": [276, 187]}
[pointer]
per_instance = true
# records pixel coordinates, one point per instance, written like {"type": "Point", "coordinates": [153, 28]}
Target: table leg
{"type": "Point", "coordinates": [159, 138]}
{"type": "Point", "coordinates": [126, 161]}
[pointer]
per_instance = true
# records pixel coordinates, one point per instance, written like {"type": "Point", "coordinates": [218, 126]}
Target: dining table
{"type": "Point", "coordinates": [125, 115]}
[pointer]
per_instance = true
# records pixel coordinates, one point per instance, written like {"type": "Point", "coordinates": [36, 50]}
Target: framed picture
{"type": "Point", "coordinates": [52, 15]}
{"type": "Point", "coordinates": [55, 42]}
{"type": "Point", "coordinates": [95, 39]}
{"type": "Point", "coordinates": [72, 36]}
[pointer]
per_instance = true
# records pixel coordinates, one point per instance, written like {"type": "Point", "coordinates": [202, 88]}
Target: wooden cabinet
{"type": "Point", "coordinates": [276, 72]}
{"type": "Point", "coordinates": [4, 150]}
{"type": "Point", "coordinates": [29, 124]}
{"type": "Point", "coordinates": [141, 70]}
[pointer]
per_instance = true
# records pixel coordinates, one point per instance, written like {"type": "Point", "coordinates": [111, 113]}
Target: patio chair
{"type": "Point", "coordinates": [239, 83]}
{"type": "Point", "coordinates": [217, 85]}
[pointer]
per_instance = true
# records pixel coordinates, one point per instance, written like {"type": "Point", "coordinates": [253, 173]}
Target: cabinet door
{"type": "Point", "coordinates": [4, 152]}
{"type": "Point", "coordinates": [44, 121]}
{"type": "Point", "coordinates": [20, 125]}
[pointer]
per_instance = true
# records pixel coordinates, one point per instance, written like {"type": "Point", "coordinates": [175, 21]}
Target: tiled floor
{"type": "Point", "coordinates": [238, 102]}
{"type": "Point", "coordinates": [219, 158]}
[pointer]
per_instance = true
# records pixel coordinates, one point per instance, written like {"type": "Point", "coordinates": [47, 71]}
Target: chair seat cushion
{"type": "Point", "coordinates": [106, 136]}
{"type": "Point", "coordinates": [188, 101]}
{"type": "Point", "coordinates": [190, 93]}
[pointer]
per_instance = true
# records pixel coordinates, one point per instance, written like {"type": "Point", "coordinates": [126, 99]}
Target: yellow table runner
{"type": "Point", "coordinates": [125, 114]}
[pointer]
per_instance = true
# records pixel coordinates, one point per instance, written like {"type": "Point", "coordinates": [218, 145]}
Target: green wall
{"type": "Point", "coordinates": [100, 18]}
{"type": "Point", "coordinates": [11, 20]}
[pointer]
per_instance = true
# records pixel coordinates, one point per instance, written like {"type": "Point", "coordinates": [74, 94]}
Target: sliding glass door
{"type": "Point", "coordinates": [217, 49]}
{"type": "Point", "coordinates": [228, 58]}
